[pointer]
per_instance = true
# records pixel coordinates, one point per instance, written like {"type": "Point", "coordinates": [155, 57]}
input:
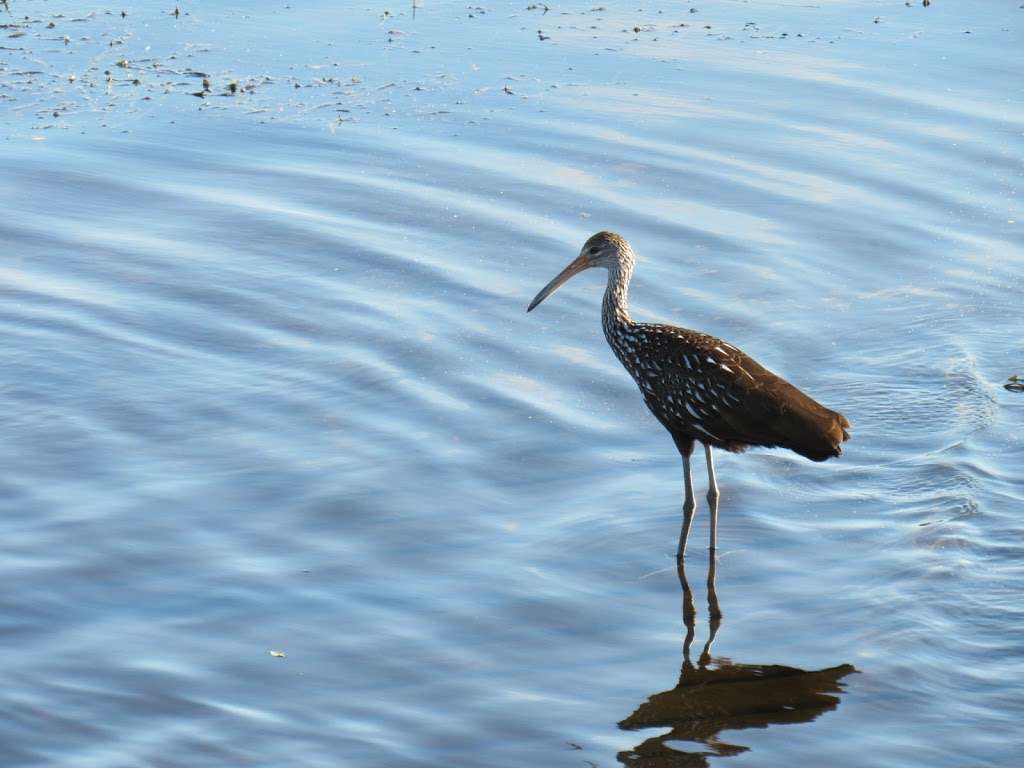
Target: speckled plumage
{"type": "Point", "coordinates": [702, 388]}
{"type": "Point", "coordinates": [698, 386]}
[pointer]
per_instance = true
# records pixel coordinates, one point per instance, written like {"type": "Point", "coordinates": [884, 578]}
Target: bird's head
{"type": "Point", "coordinates": [605, 249]}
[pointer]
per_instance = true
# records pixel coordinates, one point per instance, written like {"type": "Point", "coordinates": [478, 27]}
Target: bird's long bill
{"type": "Point", "coordinates": [577, 265]}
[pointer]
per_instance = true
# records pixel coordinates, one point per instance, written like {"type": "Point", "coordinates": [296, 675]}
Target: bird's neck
{"type": "Point", "coordinates": [615, 307]}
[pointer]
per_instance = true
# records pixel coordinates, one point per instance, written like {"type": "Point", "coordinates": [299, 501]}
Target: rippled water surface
{"type": "Point", "coordinates": [289, 477]}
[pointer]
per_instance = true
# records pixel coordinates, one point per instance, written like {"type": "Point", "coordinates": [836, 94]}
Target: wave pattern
{"type": "Point", "coordinates": [279, 392]}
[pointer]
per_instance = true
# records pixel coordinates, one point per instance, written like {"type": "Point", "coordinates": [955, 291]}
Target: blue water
{"type": "Point", "coordinates": [270, 387]}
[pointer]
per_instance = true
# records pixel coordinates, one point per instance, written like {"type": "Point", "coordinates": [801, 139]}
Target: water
{"type": "Point", "coordinates": [269, 384]}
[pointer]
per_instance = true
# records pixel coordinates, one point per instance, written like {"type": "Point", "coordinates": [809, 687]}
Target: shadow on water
{"type": "Point", "coordinates": [718, 694]}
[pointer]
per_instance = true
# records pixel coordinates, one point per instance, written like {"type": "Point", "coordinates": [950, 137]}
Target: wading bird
{"type": "Point", "coordinates": [699, 387]}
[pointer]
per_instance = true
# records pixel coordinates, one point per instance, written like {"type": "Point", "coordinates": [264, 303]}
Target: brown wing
{"type": "Point", "coordinates": [702, 387]}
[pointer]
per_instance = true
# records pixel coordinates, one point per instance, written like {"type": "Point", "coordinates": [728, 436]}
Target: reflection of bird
{"type": "Point", "coordinates": [700, 387]}
{"type": "Point", "coordinates": [718, 695]}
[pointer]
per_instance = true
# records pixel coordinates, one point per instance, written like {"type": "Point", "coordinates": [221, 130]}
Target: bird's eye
{"type": "Point", "coordinates": [593, 251]}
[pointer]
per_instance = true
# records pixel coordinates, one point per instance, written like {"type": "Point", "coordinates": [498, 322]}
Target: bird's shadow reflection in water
{"type": "Point", "coordinates": [718, 694]}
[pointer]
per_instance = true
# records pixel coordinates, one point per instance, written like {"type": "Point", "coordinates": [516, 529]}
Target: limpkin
{"type": "Point", "coordinates": [699, 387]}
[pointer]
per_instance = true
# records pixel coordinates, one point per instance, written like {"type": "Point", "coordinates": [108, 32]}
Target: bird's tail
{"type": "Point", "coordinates": [821, 434]}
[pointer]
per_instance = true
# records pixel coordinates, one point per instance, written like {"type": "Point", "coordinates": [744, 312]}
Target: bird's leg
{"type": "Point", "coordinates": [689, 507]}
{"type": "Point", "coordinates": [685, 446]}
{"type": "Point", "coordinates": [712, 495]}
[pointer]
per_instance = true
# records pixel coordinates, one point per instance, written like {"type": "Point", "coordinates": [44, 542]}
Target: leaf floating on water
{"type": "Point", "coordinates": [278, 654]}
{"type": "Point", "coordinates": [1014, 384]}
